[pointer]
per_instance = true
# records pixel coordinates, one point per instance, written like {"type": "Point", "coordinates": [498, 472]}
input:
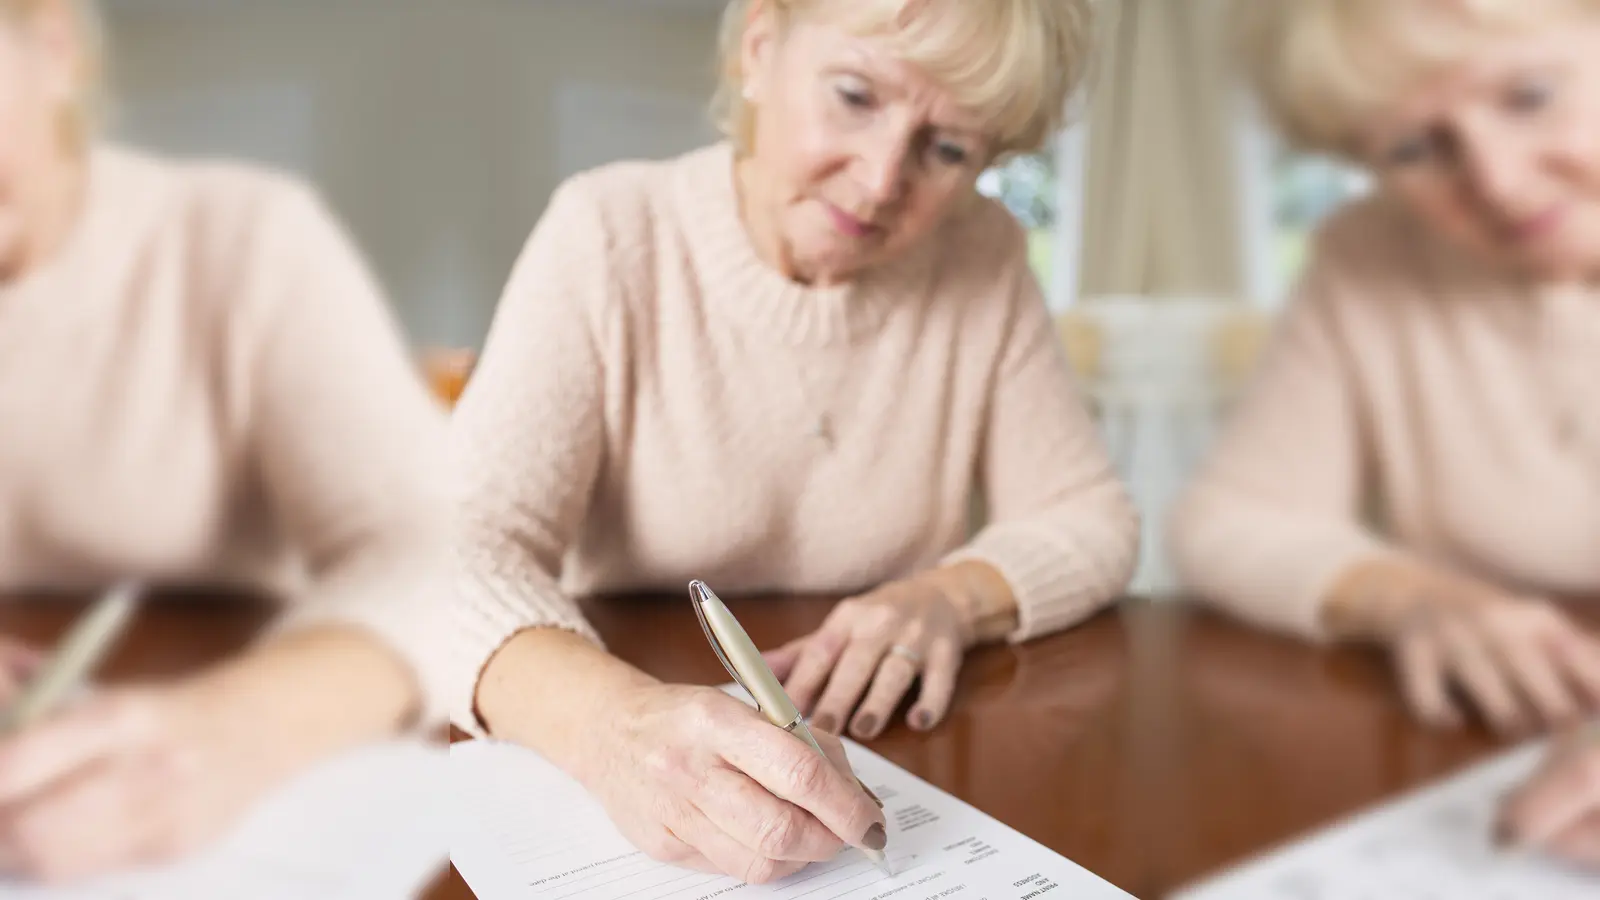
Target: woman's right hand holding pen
{"type": "Point", "coordinates": [689, 774]}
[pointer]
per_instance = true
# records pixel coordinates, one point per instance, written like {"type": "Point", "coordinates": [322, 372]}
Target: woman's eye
{"type": "Point", "coordinates": [1529, 96]}
{"type": "Point", "coordinates": [950, 154]}
{"type": "Point", "coordinates": [1408, 151]}
{"type": "Point", "coordinates": [854, 97]}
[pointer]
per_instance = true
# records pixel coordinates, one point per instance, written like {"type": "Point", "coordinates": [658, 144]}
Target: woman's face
{"type": "Point", "coordinates": [36, 86]}
{"type": "Point", "coordinates": [858, 154]}
{"type": "Point", "coordinates": [1502, 154]}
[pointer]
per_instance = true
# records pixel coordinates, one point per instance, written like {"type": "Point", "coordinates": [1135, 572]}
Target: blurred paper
{"type": "Point", "coordinates": [524, 829]}
{"type": "Point", "coordinates": [368, 825]}
{"type": "Point", "coordinates": [1435, 843]}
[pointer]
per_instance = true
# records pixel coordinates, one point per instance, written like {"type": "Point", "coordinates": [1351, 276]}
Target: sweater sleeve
{"type": "Point", "coordinates": [527, 442]}
{"type": "Point", "coordinates": [347, 441]}
{"type": "Point", "coordinates": [1061, 529]}
{"type": "Point", "coordinates": [1273, 518]}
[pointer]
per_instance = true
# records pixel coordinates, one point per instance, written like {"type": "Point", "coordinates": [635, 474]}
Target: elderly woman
{"type": "Point", "coordinates": [1415, 462]}
{"type": "Point", "coordinates": [199, 384]}
{"type": "Point", "coordinates": [785, 363]}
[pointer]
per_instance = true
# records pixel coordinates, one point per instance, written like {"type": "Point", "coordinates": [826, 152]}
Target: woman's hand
{"type": "Point", "coordinates": [18, 663]}
{"type": "Point", "coordinates": [138, 776]}
{"type": "Point", "coordinates": [689, 774]}
{"type": "Point", "coordinates": [864, 659]}
{"type": "Point", "coordinates": [125, 778]}
{"type": "Point", "coordinates": [1523, 663]}
{"type": "Point", "coordinates": [1558, 810]}
{"type": "Point", "coordinates": [696, 778]}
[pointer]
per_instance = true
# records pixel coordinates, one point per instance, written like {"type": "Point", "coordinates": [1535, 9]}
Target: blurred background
{"type": "Point", "coordinates": [1167, 223]}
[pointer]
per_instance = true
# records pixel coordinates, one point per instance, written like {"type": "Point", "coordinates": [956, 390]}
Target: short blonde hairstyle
{"type": "Point", "coordinates": [1014, 62]}
{"type": "Point", "coordinates": [83, 118]}
{"type": "Point", "coordinates": [1322, 68]}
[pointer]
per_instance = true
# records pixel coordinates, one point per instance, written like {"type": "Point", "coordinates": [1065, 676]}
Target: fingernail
{"type": "Point", "coordinates": [867, 726]}
{"type": "Point", "coordinates": [824, 722]}
{"type": "Point", "coordinates": [922, 720]}
{"type": "Point", "coordinates": [875, 838]}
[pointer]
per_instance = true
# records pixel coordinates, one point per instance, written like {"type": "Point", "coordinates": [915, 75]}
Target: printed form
{"type": "Point", "coordinates": [524, 830]}
{"type": "Point", "coordinates": [1434, 844]}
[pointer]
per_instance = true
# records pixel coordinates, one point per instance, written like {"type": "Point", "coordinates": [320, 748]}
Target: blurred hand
{"type": "Point", "coordinates": [18, 662]}
{"type": "Point", "coordinates": [126, 778]}
{"type": "Point", "coordinates": [1558, 810]}
{"type": "Point", "coordinates": [1523, 663]}
{"type": "Point", "coordinates": [696, 778]}
{"type": "Point", "coordinates": [864, 659]}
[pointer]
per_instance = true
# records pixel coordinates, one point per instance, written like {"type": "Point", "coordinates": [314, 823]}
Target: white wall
{"type": "Point", "coordinates": [432, 126]}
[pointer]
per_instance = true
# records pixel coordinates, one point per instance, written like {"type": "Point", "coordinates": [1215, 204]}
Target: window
{"type": "Point", "coordinates": [1284, 195]}
{"type": "Point", "coordinates": [1305, 189]}
{"type": "Point", "coordinates": [1044, 191]}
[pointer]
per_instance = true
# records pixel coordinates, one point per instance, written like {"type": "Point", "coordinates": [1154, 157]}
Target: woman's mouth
{"type": "Point", "coordinates": [847, 224]}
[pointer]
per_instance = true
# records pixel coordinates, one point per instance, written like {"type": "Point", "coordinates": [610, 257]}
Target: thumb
{"type": "Point", "coordinates": [834, 748]}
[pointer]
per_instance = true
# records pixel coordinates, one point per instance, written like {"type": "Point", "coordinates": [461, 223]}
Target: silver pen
{"type": "Point", "coordinates": [744, 662]}
{"type": "Point", "coordinates": [89, 641]}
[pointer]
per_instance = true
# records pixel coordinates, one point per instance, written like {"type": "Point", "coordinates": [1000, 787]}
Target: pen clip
{"type": "Point", "coordinates": [697, 592]}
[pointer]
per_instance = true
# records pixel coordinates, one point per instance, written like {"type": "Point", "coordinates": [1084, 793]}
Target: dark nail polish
{"type": "Point", "coordinates": [824, 722]}
{"type": "Point", "coordinates": [867, 726]}
{"type": "Point", "coordinates": [875, 838]}
{"type": "Point", "coordinates": [922, 721]}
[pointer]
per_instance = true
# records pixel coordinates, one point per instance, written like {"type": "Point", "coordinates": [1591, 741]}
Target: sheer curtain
{"type": "Point", "coordinates": [1161, 207]}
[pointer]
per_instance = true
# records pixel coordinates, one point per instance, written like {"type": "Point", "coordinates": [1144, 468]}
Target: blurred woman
{"type": "Point", "coordinates": [199, 383]}
{"type": "Point", "coordinates": [785, 363]}
{"type": "Point", "coordinates": [1415, 463]}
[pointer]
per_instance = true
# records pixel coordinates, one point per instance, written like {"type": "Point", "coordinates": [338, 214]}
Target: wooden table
{"type": "Point", "coordinates": [1169, 742]}
{"type": "Point", "coordinates": [174, 634]}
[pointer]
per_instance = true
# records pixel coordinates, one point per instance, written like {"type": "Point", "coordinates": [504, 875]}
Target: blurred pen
{"type": "Point", "coordinates": [89, 642]}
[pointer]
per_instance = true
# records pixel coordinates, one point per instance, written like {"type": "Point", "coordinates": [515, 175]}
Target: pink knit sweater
{"type": "Point", "coordinates": [655, 404]}
{"type": "Point", "coordinates": [204, 385]}
{"type": "Point", "coordinates": [1414, 404]}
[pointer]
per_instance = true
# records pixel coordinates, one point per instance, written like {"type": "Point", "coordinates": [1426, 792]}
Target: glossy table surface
{"type": "Point", "coordinates": [1154, 744]}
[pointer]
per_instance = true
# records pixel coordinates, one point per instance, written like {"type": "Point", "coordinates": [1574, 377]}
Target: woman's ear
{"type": "Point", "coordinates": [56, 35]}
{"type": "Point", "coordinates": [757, 48]}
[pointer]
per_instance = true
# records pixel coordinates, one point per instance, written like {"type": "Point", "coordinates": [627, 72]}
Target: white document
{"type": "Point", "coordinates": [1435, 843]}
{"type": "Point", "coordinates": [369, 825]}
{"type": "Point", "coordinates": [524, 830]}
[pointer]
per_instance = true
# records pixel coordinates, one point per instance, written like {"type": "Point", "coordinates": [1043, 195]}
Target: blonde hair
{"type": "Point", "coordinates": [1015, 62]}
{"type": "Point", "coordinates": [1323, 67]}
{"type": "Point", "coordinates": [82, 117]}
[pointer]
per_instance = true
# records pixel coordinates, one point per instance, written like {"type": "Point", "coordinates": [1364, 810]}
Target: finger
{"type": "Point", "coordinates": [791, 770]}
{"type": "Point", "coordinates": [1580, 843]}
{"type": "Point", "coordinates": [1422, 679]}
{"type": "Point", "coordinates": [1566, 788]}
{"type": "Point", "coordinates": [88, 825]}
{"type": "Point", "coordinates": [1579, 654]}
{"type": "Point", "coordinates": [834, 748]}
{"type": "Point", "coordinates": [851, 675]}
{"type": "Point", "coordinates": [1533, 672]}
{"type": "Point", "coordinates": [727, 854]}
{"type": "Point", "coordinates": [56, 748]}
{"type": "Point", "coordinates": [765, 825]}
{"type": "Point", "coordinates": [817, 658]}
{"type": "Point", "coordinates": [938, 685]}
{"type": "Point", "coordinates": [1475, 668]}
{"type": "Point", "coordinates": [889, 686]}
{"type": "Point", "coordinates": [781, 661]}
